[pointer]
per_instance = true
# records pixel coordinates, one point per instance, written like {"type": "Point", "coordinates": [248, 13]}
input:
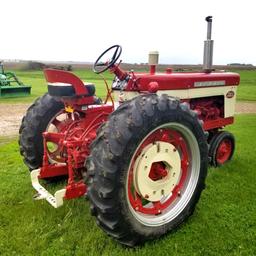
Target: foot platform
{"type": "Point", "coordinates": [55, 200]}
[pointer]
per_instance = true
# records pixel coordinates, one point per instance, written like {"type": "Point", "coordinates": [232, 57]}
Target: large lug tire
{"type": "Point", "coordinates": [147, 168]}
{"type": "Point", "coordinates": [222, 147]}
{"type": "Point", "coordinates": [34, 123]}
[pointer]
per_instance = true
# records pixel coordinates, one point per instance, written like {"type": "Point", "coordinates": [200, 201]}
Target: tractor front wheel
{"type": "Point", "coordinates": [222, 147]}
{"type": "Point", "coordinates": [147, 168]}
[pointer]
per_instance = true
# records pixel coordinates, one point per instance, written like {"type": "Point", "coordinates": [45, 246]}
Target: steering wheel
{"type": "Point", "coordinates": [100, 66]}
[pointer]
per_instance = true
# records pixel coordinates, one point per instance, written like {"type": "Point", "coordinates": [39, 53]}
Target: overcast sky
{"type": "Point", "coordinates": [80, 30]}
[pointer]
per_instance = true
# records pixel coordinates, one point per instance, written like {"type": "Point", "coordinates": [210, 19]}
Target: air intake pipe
{"type": "Point", "coordinates": [208, 47]}
{"type": "Point", "coordinates": [153, 61]}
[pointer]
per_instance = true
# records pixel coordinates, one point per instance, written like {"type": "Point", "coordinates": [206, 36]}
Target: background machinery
{"type": "Point", "coordinates": [10, 85]}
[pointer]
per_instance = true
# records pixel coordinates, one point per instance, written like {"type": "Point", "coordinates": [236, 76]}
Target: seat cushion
{"type": "Point", "coordinates": [67, 90]}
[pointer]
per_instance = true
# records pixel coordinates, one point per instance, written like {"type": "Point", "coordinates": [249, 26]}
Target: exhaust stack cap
{"type": "Point", "coordinates": [208, 47]}
{"type": "Point", "coordinates": [153, 58]}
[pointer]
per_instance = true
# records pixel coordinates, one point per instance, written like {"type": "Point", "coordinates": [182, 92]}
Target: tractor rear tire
{"type": "Point", "coordinates": [115, 186]}
{"type": "Point", "coordinates": [222, 147]}
{"type": "Point", "coordinates": [34, 123]}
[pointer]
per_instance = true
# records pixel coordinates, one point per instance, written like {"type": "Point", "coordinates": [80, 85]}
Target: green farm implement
{"type": "Point", "coordinates": [11, 86]}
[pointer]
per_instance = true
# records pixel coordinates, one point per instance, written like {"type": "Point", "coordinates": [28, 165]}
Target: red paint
{"type": "Point", "coordinates": [168, 71]}
{"type": "Point", "coordinates": [73, 140]}
{"type": "Point", "coordinates": [224, 151]}
{"type": "Point", "coordinates": [153, 87]}
{"type": "Point", "coordinates": [136, 200]}
{"type": "Point", "coordinates": [158, 171]}
{"type": "Point", "coordinates": [60, 76]}
{"type": "Point", "coordinates": [152, 69]}
{"type": "Point", "coordinates": [218, 123]}
{"type": "Point", "coordinates": [121, 74]}
{"type": "Point", "coordinates": [54, 170]}
{"type": "Point", "coordinates": [75, 190]}
{"type": "Point", "coordinates": [208, 108]}
{"type": "Point", "coordinates": [74, 135]}
{"type": "Point", "coordinates": [211, 111]}
{"type": "Point", "coordinates": [179, 81]}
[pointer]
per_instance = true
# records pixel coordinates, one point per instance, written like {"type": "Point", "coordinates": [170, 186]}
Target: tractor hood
{"type": "Point", "coordinates": [184, 80]}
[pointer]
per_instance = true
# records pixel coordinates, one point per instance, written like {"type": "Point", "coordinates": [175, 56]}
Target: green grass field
{"type": "Point", "coordinates": [224, 222]}
{"type": "Point", "coordinates": [246, 90]}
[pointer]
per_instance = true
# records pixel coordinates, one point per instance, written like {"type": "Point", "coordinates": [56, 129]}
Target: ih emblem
{"type": "Point", "coordinates": [230, 94]}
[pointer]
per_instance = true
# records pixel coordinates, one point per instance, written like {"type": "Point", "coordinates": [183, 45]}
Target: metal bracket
{"type": "Point", "coordinates": [56, 200]}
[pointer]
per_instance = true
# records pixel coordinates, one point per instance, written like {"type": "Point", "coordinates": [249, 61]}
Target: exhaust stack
{"type": "Point", "coordinates": [153, 61]}
{"type": "Point", "coordinates": [208, 47]}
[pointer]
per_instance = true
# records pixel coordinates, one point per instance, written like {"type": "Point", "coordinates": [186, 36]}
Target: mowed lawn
{"type": "Point", "coordinates": [246, 90]}
{"type": "Point", "coordinates": [224, 222]}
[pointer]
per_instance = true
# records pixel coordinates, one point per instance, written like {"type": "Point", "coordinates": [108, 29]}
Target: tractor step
{"type": "Point", "coordinates": [55, 200]}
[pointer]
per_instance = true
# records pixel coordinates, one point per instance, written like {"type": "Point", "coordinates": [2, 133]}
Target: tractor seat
{"type": "Point", "coordinates": [67, 90]}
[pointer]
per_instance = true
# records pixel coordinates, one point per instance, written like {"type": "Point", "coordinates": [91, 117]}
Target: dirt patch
{"type": "Point", "coordinates": [245, 107]}
{"type": "Point", "coordinates": [11, 115]}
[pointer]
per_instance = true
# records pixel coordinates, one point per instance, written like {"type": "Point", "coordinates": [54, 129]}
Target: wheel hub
{"type": "Point", "coordinates": [157, 171]}
{"type": "Point", "coordinates": [224, 151]}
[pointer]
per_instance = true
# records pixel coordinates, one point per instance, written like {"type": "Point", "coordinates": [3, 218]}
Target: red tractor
{"type": "Point", "coordinates": [140, 157]}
